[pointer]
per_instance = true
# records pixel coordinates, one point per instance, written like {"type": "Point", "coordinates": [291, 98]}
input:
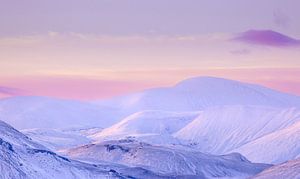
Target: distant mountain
{"type": "Point", "coordinates": [168, 161]}
{"type": "Point", "coordinates": [189, 95]}
{"type": "Point", "coordinates": [26, 112]}
{"type": "Point", "coordinates": [200, 93]}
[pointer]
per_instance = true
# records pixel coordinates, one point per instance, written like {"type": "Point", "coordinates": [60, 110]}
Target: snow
{"type": "Point", "coordinates": [56, 139]}
{"type": "Point", "coordinates": [288, 170]}
{"type": "Point", "coordinates": [184, 130]}
{"type": "Point", "coordinates": [167, 161]}
{"type": "Point", "coordinates": [27, 112]}
{"type": "Point", "coordinates": [21, 158]}
{"type": "Point", "coordinates": [249, 130]}
{"type": "Point", "coordinates": [201, 92]}
{"type": "Point", "coordinates": [147, 124]}
{"type": "Point", "coordinates": [220, 130]}
{"type": "Point", "coordinates": [275, 148]}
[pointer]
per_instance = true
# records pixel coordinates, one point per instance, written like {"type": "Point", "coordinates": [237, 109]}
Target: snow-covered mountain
{"type": "Point", "coordinates": [249, 130]}
{"type": "Point", "coordinates": [210, 115]}
{"type": "Point", "coordinates": [149, 126]}
{"type": "Point", "coordinates": [220, 130]}
{"type": "Point", "coordinates": [21, 158]}
{"type": "Point", "coordinates": [26, 112]}
{"type": "Point", "coordinates": [201, 92]}
{"type": "Point", "coordinates": [288, 170]}
{"type": "Point", "coordinates": [168, 161]}
{"type": "Point", "coordinates": [276, 147]}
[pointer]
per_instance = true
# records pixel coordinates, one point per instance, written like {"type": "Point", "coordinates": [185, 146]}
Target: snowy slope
{"type": "Point", "coordinates": [277, 147]}
{"type": "Point", "coordinates": [56, 139]}
{"type": "Point", "coordinates": [168, 161]}
{"type": "Point", "coordinates": [220, 130]}
{"type": "Point", "coordinates": [199, 93]}
{"type": "Point", "coordinates": [288, 170]}
{"type": "Point", "coordinates": [155, 126]}
{"type": "Point", "coordinates": [42, 112]}
{"type": "Point", "coordinates": [14, 137]}
{"type": "Point", "coordinates": [21, 158]}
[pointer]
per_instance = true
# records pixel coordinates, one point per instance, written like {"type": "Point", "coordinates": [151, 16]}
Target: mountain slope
{"type": "Point", "coordinates": [168, 161]}
{"type": "Point", "coordinates": [21, 158]}
{"type": "Point", "coordinates": [284, 145]}
{"type": "Point", "coordinates": [220, 130]}
{"type": "Point", "coordinates": [288, 170]}
{"type": "Point", "coordinates": [56, 139]}
{"type": "Point", "coordinates": [148, 125]}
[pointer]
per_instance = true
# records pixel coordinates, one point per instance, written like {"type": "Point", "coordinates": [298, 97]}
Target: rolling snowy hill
{"type": "Point", "coordinates": [150, 126]}
{"type": "Point", "coordinates": [168, 161]}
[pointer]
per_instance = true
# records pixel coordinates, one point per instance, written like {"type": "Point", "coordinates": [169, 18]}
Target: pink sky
{"type": "Point", "coordinates": [98, 49]}
{"type": "Point", "coordinates": [285, 80]}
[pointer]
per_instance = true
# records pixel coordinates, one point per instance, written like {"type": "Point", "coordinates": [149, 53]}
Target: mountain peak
{"type": "Point", "coordinates": [203, 81]}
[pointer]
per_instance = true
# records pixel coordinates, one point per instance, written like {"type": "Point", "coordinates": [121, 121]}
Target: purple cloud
{"type": "Point", "coordinates": [267, 38]}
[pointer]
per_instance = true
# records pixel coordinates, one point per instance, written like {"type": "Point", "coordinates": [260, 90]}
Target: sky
{"type": "Point", "coordinates": [95, 49]}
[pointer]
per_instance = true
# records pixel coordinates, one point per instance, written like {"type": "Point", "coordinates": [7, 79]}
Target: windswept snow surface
{"type": "Point", "coordinates": [277, 147]}
{"type": "Point", "coordinates": [21, 158]}
{"type": "Point", "coordinates": [288, 170]}
{"type": "Point", "coordinates": [168, 161]}
{"type": "Point", "coordinates": [155, 126]}
{"type": "Point", "coordinates": [220, 130]}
